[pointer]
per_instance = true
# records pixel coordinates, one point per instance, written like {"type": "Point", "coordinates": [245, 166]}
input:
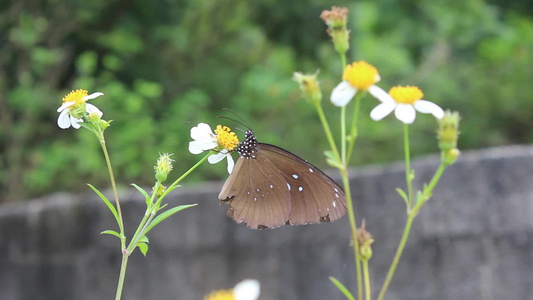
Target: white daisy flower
{"type": "Point", "coordinates": [245, 290]}
{"type": "Point", "coordinates": [223, 141]}
{"type": "Point", "coordinates": [68, 112]}
{"type": "Point", "coordinates": [359, 76]}
{"type": "Point", "coordinates": [404, 101]}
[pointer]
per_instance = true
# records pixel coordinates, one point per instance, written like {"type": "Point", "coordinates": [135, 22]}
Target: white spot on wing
{"type": "Point", "coordinates": [295, 176]}
{"type": "Point", "coordinates": [288, 186]}
{"type": "Point", "coordinates": [334, 204]}
{"type": "Point", "coordinates": [310, 170]}
{"type": "Point", "coordinates": [300, 188]}
{"type": "Point", "coordinates": [271, 186]}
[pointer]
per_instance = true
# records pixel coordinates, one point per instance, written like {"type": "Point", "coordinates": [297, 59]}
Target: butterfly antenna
{"type": "Point", "coordinates": [241, 119]}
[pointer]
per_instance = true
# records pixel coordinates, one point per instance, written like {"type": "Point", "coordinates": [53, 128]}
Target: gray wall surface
{"type": "Point", "coordinates": [472, 240]}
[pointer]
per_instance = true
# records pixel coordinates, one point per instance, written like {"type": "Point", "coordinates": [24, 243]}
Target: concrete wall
{"type": "Point", "coordinates": [473, 240]}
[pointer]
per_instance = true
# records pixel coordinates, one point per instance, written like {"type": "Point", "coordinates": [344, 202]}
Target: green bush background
{"type": "Point", "coordinates": [164, 66]}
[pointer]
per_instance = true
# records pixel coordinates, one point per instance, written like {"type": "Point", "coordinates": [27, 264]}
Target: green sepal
{"type": "Point", "coordinates": [111, 232]}
{"type": "Point", "coordinates": [342, 288]}
{"type": "Point", "coordinates": [109, 204]}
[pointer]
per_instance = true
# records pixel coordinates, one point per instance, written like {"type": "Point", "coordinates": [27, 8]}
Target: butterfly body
{"type": "Point", "coordinates": [270, 187]}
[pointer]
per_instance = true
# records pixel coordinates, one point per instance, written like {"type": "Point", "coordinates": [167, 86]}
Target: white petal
{"type": "Point", "coordinates": [231, 163]}
{"type": "Point", "coordinates": [197, 147]}
{"type": "Point", "coordinates": [215, 158]}
{"type": "Point", "coordinates": [342, 94]}
{"type": "Point", "coordinates": [202, 132]}
{"type": "Point", "coordinates": [379, 93]}
{"type": "Point", "coordinates": [247, 290]}
{"type": "Point", "coordinates": [75, 122]}
{"type": "Point", "coordinates": [427, 107]}
{"type": "Point", "coordinates": [92, 96]}
{"type": "Point", "coordinates": [405, 113]}
{"type": "Point", "coordinates": [63, 121]}
{"type": "Point", "coordinates": [65, 105]}
{"type": "Point", "coordinates": [381, 111]}
{"type": "Point", "coordinates": [93, 109]}
{"type": "Point", "coordinates": [378, 78]}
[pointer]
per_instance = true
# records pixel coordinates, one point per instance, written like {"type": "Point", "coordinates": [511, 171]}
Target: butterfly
{"type": "Point", "coordinates": [270, 187]}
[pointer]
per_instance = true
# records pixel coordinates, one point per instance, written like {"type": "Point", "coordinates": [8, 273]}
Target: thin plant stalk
{"type": "Point", "coordinates": [353, 227]}
{"type": "Point", "coordinates": [366, 277]}
{"type": "Point", "coordinates": [327, 130]}
{"type": "Point", "coordinates": [114, 187]}
{"type": "Point", "coordinates": [408, 172]}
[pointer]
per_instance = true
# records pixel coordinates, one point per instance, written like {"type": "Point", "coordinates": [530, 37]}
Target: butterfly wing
{"type": "Point", "coordinates": [278, 188]}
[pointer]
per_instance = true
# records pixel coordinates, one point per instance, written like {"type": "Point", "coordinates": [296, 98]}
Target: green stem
{"type": "Point", "coordinates": [343, 136]}
{"type": "Point", "coordinates": [351, 216]}
{"type": "Point", "coordinates": [396, 259]}
{"type": "Point", "coordinates": [327, 130]}
{"type": "Point", "coordinates": [408, 173]}
{"type": "Point", "coordinates": [429, 189]}
{"type": "Point", "coordinates": [122, 275]}
{"type": "Point", "coordinates": [366, 279]}
{"type": "Point", "coordinates": [353, 132]}
{"type": "Point", "coordinates": [114, 186]}
{"type": "Point", "coordinates": [343, 61]}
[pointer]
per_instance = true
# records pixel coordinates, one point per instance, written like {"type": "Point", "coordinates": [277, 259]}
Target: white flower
{"type": "Point", "coordinates": [72, 101]}
{"type": "Point", "coordinates": [404, 101]}
{"type": "Point", "coordinates": [224, 153]}
{"type": "Point", "coordinates": [247, 290]}
{"type": "Point", "coordinates": [359, 76]}
{"type": "Point", "coordinates": [205, 140]}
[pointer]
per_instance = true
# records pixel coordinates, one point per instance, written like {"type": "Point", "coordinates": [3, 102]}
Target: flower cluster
{"type": "Point", "coordinates": [403, 100]}
{"type": "Point", "coordinates": [223, 141]}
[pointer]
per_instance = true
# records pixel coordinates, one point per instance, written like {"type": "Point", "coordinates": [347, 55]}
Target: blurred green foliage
{"type": "Point", "coordinates": [164, 66]}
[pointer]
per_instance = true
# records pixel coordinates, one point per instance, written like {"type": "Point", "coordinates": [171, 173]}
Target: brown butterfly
{"type": "Point", "coordinates": [270, 187]}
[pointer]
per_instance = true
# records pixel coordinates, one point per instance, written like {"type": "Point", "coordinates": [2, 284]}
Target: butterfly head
{"type": "Point", "coordinates": [248, 147]}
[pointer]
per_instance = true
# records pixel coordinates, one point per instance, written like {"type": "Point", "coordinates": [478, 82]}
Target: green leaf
{"type": "Point", "coordinates": [143, 247]}
{"type": "Point", "coordinates": [109, 205]}
{"type": "Point", "coordinates": [342, 288]}
{"type": "Point", "coordinates": [111, 232]}
{"type": "Point", "coordinates": [332, 160]}
{"type": "Point", "coordinates": [144, 239]}
{"type": "Point", "coordinates": [142, 191]}
{"type": "Point", "coordinates": [167, 214]}
{"type": "Point", "coordinates": [403, 195]}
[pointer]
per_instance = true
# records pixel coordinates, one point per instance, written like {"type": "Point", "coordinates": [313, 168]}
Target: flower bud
{"type": "Point", "coordinates": [365, 240]}
{"type": "Point", "coordinates": [163, 167]}
{"type": "Point", "coordinates": [450, 156]}
{"type": "Point", "coordinates": [309, 86]}
{"type": "Point", "coordinates": [160, 190]}
{"type": "Point", "coordinates": [448, 131]}
{"type": "Point", "coordinates": [336, 19]}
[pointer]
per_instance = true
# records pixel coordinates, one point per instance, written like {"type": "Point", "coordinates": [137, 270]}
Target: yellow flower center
{"type": "Point", "coordinates": [406, 94]}
{"type": "Point", "coordinates": [361, 75]}
{"type": "Point", "coordinates": [226, 138]}
{"type": "Point", "coordinates": [220, 294]}
{"type": "Point", "coordinates": [75, 96]}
